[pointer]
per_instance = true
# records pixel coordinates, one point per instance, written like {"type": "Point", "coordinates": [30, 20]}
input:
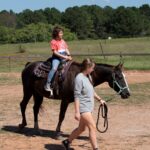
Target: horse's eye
{"type": "Point", "coordinates": [120, 77]}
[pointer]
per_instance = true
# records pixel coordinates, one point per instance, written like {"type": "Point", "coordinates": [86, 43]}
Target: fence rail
{"type": "Point", "coordinates": [89, 54]}
{"type": "Point", "coordinates": [133, 60]}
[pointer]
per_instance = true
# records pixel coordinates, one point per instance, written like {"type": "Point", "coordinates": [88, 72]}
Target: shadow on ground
{"type": "Point", "coordinates": [55, 147]}
{"type": "Point", "coordinates": [32, 132]}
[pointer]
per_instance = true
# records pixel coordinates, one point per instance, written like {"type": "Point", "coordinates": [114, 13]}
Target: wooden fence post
{"type": "Point", "coordinates": [9, 63]}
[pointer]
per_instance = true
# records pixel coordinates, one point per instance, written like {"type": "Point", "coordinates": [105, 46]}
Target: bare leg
{"type": "Point", "coordinates": [77, 131]}
{"type": "Point", "coordinates": [90, 123]}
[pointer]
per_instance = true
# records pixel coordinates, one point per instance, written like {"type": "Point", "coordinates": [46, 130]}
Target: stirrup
{"type": "Point", "coordinates": [51, 93]}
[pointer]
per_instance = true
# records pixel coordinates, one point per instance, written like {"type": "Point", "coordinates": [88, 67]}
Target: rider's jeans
{"type": "Point", "coordinates": [55, 64]}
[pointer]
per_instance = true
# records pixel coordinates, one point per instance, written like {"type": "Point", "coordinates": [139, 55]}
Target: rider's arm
{"type": "Point", "coordinates": [66, 48]}
{"type": "Point", "coordinates": [68, 52]}
{"type": "Point", "coordinates": [59, 55]}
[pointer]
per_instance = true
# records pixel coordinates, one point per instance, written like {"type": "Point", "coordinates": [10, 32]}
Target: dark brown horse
{"type": "Point", "coordinates": [33, 86]}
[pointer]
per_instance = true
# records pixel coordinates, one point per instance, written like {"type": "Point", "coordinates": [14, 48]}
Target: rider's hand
{"type": "Point", "coordinates": [69, 58]}
{"type": "Point", "coordinates": [77, 116]}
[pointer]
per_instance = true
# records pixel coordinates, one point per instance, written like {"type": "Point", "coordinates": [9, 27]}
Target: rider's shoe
{"type": "Point", "coordinates": [66, 144]}
{"type": "Point", "coordinates": [48, 88]}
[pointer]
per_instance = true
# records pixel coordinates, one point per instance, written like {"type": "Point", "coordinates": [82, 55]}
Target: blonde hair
{"type": "Point", "coordinates": [87, 63]}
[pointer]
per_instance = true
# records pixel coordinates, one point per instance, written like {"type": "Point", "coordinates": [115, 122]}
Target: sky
{"type": "Point", "coordinates": [20, 5]}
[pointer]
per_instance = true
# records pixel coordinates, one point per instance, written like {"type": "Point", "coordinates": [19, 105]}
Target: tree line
{"type": "Point", "coordinates": [85, 22]}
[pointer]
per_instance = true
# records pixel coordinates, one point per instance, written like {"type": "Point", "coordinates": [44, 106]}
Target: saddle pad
{"type": "Point", "coordinates": [42, 69]}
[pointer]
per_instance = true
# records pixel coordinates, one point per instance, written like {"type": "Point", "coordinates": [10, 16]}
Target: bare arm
{"type": "Point", "coordinates": [77, 94]}
{"type": "Point", "coordinates": [97, 97]}
{"type": "Point", "coordinates": [77, 111]}
{"type": "Point", "coordinates": [67, 51]}
{"type": "Point", "coordinates": [60, 55]}
{"type": "Point", "coordinates": [76, 105]}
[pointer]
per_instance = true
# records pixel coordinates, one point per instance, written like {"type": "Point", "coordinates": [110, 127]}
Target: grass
{"type": "Point", "coordinates": [9, 79]}
{"type": "Point", "coordinates": [129, 45]}
{"type": "Point", "coordinates": [130, 62]}
{"type": "Point", "coordinates": [134, 45]}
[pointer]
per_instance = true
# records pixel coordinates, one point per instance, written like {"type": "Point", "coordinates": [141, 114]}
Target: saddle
{"type": "Point", "coordinates": [43, 68]}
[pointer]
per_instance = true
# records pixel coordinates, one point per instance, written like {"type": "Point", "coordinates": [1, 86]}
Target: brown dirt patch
{"type": "Point", "coordinates": [129, 125]}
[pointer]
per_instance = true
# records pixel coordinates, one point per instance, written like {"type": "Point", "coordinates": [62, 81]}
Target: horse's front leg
{"type": "Point", "coordinates": [37, 103]}
{"type": "Point", "coordinates": [63, 108]}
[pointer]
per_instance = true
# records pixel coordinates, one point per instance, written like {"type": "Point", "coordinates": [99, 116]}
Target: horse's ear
{"type": "Point", "coordinates": [119, 66]}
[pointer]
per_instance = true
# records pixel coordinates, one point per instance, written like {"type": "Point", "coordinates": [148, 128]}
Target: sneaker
{"type": "Point", "coordinates": [66, 144]}
{"type": "Point", "coordinates": [48, 88]}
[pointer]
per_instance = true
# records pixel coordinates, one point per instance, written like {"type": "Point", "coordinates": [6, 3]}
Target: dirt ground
{"type": "Point", "coordinates": [129, 125]}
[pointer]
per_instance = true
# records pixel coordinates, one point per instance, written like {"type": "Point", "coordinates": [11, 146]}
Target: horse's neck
{"type": "Point", "coordinates": [101, 74]}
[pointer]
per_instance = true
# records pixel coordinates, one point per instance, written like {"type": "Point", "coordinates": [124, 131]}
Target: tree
{"type": "Point", "coordinates": [39, 16]}
{"type": "Point", "coordinates": [78, 21]}
{"type": "Point", "coordinates": [99, 19]}
{"type": "Point", "coordinates": [145, 10]}
{"type": "Point", "coordinates": [126, 22]}
{"type": "Point", "coordinates": [8, 19]}
{"type": "Point", "coordinates": [25, 18]}
{"type": "Point", "coordinates": [52, 15]}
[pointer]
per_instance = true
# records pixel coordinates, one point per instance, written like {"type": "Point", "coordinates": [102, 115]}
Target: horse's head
{"type": "Point", "coordinates": [118, 82]}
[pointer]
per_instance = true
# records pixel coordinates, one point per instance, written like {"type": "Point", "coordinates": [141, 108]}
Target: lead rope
{"type": "Point", "coordinates": [103, 109]}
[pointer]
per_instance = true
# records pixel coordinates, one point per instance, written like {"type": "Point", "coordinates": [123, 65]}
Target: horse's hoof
{"type": "Point", "coordinates": [39, 132]}
{"type": "Point", "coordinates": [21, 126]}
{"type": "Point", "coordinates": [59, 135]}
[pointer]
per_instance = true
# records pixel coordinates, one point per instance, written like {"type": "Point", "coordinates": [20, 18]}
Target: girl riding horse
{"type": "Point", "coordinates": [60, 53]}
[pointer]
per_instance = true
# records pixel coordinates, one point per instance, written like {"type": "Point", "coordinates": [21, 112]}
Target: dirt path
{"type": "Point", "coordinates": [129, 125]}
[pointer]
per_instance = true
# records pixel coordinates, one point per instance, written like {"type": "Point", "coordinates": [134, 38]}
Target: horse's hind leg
{"type": "Point", "coordinates": [37, 103]}
{"type": "Point", "coordinates": [23, 105]}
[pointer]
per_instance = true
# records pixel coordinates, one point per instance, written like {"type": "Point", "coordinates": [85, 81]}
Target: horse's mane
{"type": "Point", "coordinates": [76, 63]}
{"type": "Point", "coordinates": [98, 64]}
{"type": "Point", "coordinates": [105, 65]}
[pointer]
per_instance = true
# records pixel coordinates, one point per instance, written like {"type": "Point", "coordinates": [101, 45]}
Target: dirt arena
{"type": "Point", "coordinates": [129, 124]}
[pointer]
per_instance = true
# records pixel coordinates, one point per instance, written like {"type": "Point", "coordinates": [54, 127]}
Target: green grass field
{"type": "Point", "coordinates": [130, 45]}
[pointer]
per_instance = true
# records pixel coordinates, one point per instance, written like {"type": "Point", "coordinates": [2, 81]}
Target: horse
{"type": "Point", "coordinates": [33, 86]}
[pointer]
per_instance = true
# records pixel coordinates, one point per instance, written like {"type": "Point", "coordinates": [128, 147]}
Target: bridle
{"type": "Point", "coordinates": [121, 89]}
